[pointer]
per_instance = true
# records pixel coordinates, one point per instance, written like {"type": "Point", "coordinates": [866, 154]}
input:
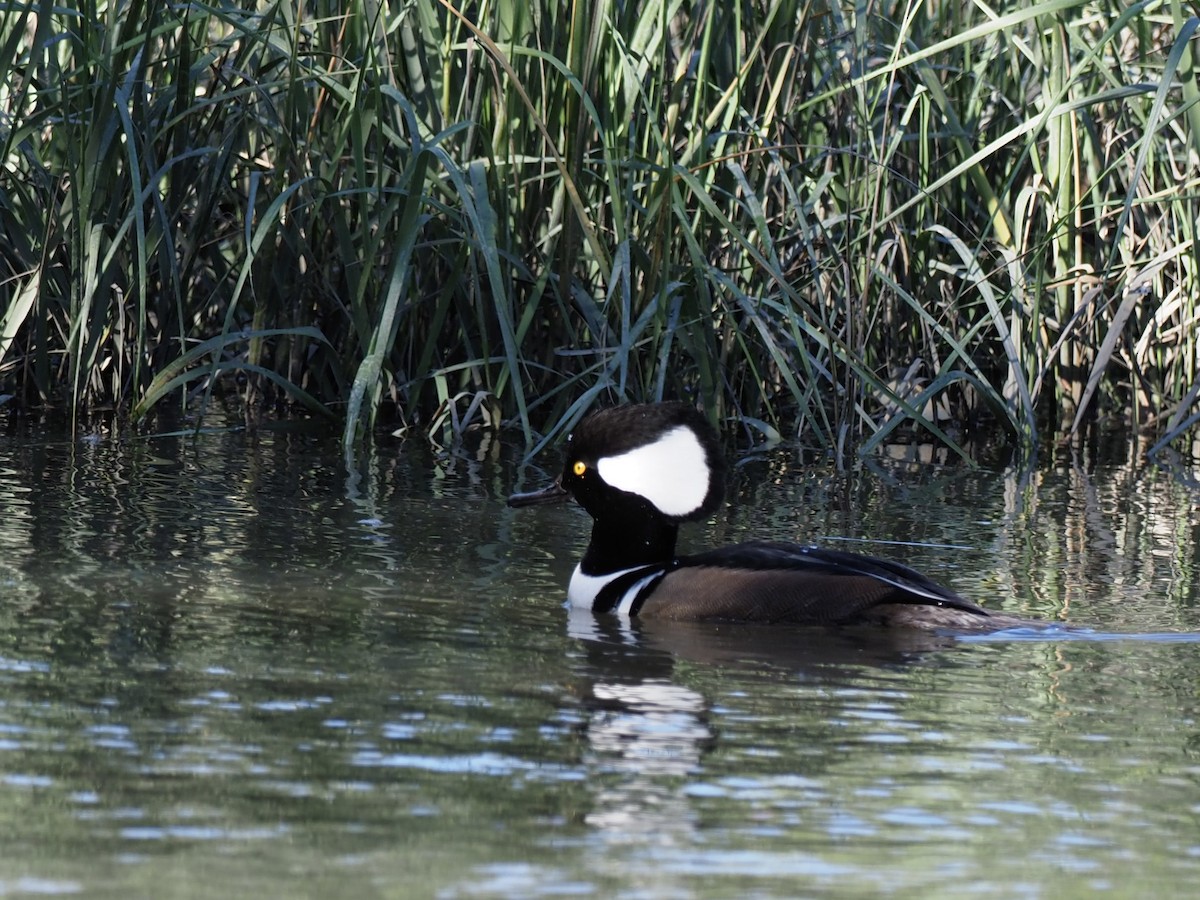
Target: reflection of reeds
{"type": "Point", "coordinates": [826, 222]}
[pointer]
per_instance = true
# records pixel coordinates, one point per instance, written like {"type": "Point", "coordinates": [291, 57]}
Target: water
{"type": "Point", "coordinates": [226, 669]}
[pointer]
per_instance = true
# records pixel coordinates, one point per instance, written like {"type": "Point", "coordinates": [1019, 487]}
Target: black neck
{"type": "Point", "coordinates": [618, 543]}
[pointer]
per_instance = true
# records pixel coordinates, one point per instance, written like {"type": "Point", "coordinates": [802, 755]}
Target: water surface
{"type": "Point", "coordinates": [227, 669]}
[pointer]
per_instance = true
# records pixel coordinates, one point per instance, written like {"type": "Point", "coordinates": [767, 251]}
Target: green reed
{"type": "Point", "coordinates": [852, 225]}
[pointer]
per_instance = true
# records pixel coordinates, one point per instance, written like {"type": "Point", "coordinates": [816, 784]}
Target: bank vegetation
{"type": "Point", "coordinates": [852, 224]}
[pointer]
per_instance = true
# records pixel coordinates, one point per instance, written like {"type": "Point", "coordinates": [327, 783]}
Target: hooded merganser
{"type": "Point", "coordinates": [642, 470]}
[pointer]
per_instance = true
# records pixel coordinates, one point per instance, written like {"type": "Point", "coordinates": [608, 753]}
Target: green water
{"type": "Point", "coordinates": [227, 669]}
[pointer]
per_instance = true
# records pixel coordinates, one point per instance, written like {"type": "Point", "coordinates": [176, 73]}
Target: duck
{"type": "Point", "coordinates": [642, 470]}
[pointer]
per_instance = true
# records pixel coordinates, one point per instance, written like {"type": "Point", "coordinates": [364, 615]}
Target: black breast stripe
{"type": "Point", "coordinates": [646, 591]}
{"type": "Point", "coordinates": [610, 596]}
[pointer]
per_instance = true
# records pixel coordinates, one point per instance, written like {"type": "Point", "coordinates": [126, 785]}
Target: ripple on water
{"type": "Point", "coordinates": [222, 657]}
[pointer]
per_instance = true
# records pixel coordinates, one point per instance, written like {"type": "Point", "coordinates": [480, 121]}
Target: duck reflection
{"type": "Point", "coordinates": [644, 734]}
{"type": "Point", "coordinates": [647, 733]}
{"type": "Point", "coordinates": [627, 644]}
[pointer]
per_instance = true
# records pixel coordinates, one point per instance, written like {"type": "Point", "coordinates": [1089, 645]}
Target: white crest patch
{"type": "Point", "coordinates": [672, 473]}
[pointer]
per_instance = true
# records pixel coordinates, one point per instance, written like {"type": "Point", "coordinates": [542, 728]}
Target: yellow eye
{"type": "Point", "coordinates": [579, 468]}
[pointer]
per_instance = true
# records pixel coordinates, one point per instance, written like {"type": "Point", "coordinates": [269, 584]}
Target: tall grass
{"type": "Point", "coordinates": [849, 223]}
